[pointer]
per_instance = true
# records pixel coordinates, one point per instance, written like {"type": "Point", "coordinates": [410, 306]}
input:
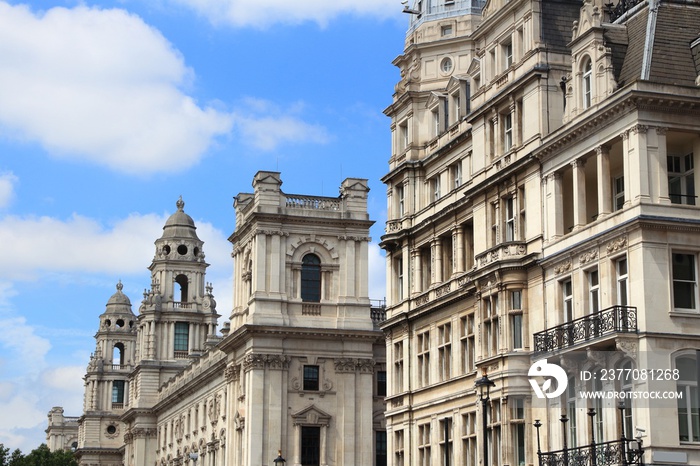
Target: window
{"type": "Point", "coordinates": [456, 171]}
{"type": "Point", "coordinates": [423, 351]}
{"type": "Point", "coordinates": [381, 383]}
{"type": "Point", "coordinates": [593, 292]}
{"type": "Point", "coordinates": [685, 282]}
{"type": "Point", "coordinates": [618, 192]}
{"type": "Point", "coordinates": [568, 302]}
{"type": "Point", "coordinates": [117, 392]}
{"type": "Point", "coordinates": [446, 30]}
{"type": "Point", "coordinates": [622, 279]}
{"type": "Point", "coordinates": [599, 418]}
{"type": "Point", "coordinates": [435, 185]}
{"type": "Point", "coordinates": [446, 441]}
{"type": "Point", "coordinates": [424, 445]}
{"type": "Point", "coordinates": [507, 50]}
{"type": "Point", "coordinates": [688, 411]}
{"type": "Point", "coordinates": [445, 351]}
{"type": "Point", "coordinates": [518, 428]}
{"type": "Point", "coordinates": [380, 448]}
{"type": "Point", "coordinates": [681, 182]}
{"type": "Point", "coordinates": [183, 282]}
{"type": "Point", "coordinates": [587, 83]}
{"type": "Point", "coordinates": [436, 123]}
{"type": "Point", "coordinates": [311, 278]}
{"type": "Point", "coordinates": [571, 413]}
{"type": "Point", "coordinates": [456, 107]}
{"type": "Point", "coordinates": [517, 323]}
{"type": "Point", "coordinates": [311, 378]}
{"type": "Point", "coordinates": [310, 445]}
{"type": "Point", "coordinates": [398, 368]}
{"type": "Point", "coordinates": [403, 136]}
{"type": "Point", "coordinates": [467, 341]}
{"type": "Point", "coordinates": [401, 199]}
{"type": "Point", "coordinates": [182, 336]}
{"type": "Point", "coordinates": [446, 65]}
{"type": "Point", "coordinates": [398, 448]}
{"type": "Point", "coordinates": [507, 132]}
{"type": "Point", "coordinates": [516, 299]}
{"type": "Point", "coordinates": [510, 219]}
{"type": "Point", "coordinates": [399, 279]}
{"type": "Point", "coordinates": [626, 384]}
{"type": "Point", "coordinates": [469, 439]}
{"type": "Point", "coordinates": [521, 204]}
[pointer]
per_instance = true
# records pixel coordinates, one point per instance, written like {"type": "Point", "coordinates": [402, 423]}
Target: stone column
{"type": "Point", "coordinates": [417, 279]}
{"type": "Point", "coordinates": [659, 167]}
{"type": "Point", "coordinates": [458, 248]}
{"type": "Point", "coordinates": [604, 181]}
{"type": "Point", "coordinates": [436, 252]}
{"type": "Point", "coordinates": [627, 172]}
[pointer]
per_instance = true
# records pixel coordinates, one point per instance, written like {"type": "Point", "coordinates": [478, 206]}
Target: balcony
{"type": "Point", "coordinates": [613, 453]}
{"type": "Point", "coordinates": [615, 319]}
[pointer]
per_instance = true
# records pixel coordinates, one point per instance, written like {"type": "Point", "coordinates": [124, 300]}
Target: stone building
{"type": "Point", "coordinates": [541, 204]}
{"type": "Point", "coordinates": [298, 368]}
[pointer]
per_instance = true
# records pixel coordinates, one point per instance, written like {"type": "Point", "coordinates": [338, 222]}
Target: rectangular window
{"type": "Point", "coordinates": [399, 279]}
{"type": "Point", "coordinates": [685, 282]}
{"type": "Point", "coordinates": [510, 219]}
{"type": "Point", "coordinates": [380, 448]}
{"type": "Point", "coordinates": [398, 368]}
{"type": "Point", "coordinates": [593, 292]}
{"type": "Point", "coordinates": [310, 445]}
{"type": "Point", "coordinates": [571, 413]}
{"type": "Point", "coordinates": [618, 193]}
{"type": "Point", "coordinates": [456, 107]}
{"type": "Point", "coordinates": [446, 441]}
{"type": "Point", "coordinates": [507, 55]}
{"type": "Point", "coordinates": [622, 279]}
{"type": "Point", "coordinates": [436, 123]}
{"type": "Point", "coordinates": [568, 302]}
{"type": "Point", "coordinates": [182, 336]}
{"type": "Point", "coordinates": [381, 383]}
{"type": "Point", "coordinates": [518, 428]}
{"type": "Point", "coordinates": [521, 204]}
{"type": "Point", "coordinates": [423, 351]}
{"type": "Point", "coordinates": [469, 439]}
{"type": "Point", "coordinates": [311, 378]}
{"type": "Point", "coordinates": [435, 184]}
{"type": "Point", "coordinates": [467, 342]}
{"type": "Point", "coordinates": [507, 132]}
{"type": "Point", "coordinates": [516, 299]}
{"type": "Point", "coordinates": [681, 180]}
{"type": "Point", "coordinates": [424, 445]}
{"type": "Point", "coordinates": [445, 351]}
{"type": "Point", "coordinates": [456, 171]}
{"type": "Point", "coordinates": [401, 200]}
{"type": "Point", "coordinates": [403, 137]}
{"type": "Point", "coordinates": [517, 321]}
{"type": "Point", "coordinates": [398, 448]}
{"type": "Point", "coordinates": [117, 392]}
{"type": "Point", "coordinates": [446, 30]}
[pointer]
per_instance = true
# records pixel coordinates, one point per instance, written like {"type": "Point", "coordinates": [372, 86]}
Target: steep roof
{"type": "Point", "coordinates": [557, 18]}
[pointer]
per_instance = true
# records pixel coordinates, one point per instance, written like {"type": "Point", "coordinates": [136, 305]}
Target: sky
{"type": "Point", "coordinates": [111, 110]}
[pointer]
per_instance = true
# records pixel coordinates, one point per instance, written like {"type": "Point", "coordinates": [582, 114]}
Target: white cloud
{"type": "Point", "coordinates": [7, 188]}
{"type": "Point", "coordinates": [265, 126]}
{"type": "Point", "coordinates": [102, 86]}
{"type": "Point", "coordinates": [263, 13]}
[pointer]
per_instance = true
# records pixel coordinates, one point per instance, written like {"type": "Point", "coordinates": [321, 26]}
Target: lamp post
{"type": "Point", "coordinates": [564, 420]}
{"type": "Point", "coordinates": [537, 425]}
{"type": "Point", "coordinates": [279, 461]}
{"type": "Point", "coordinates": [484, 385]}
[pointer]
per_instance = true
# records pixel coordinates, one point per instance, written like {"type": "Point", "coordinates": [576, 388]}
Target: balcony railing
{"type": "Point", "coordinates": [616, 319]}
{"type": "Point", "coordinates": [613, 453]}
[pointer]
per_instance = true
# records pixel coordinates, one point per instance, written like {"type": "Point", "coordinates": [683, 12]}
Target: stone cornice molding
{"type": "Point", "coordinates": [261, 361]}
{"type": "Point", "coordinates": [354, 365]}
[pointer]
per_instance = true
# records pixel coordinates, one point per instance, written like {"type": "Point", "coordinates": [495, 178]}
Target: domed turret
{"type": "Point", "coordinates": [118, 313]}
{"type": "Point", "coordinates": [179, 225]}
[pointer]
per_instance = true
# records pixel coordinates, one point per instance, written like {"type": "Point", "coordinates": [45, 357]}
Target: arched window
{"type": "Point", "coordinates": [688, 412]}
{"type": "Point", "coordinates": [183, 282]}
{"type": "Point", "coordinates": [311, 278]}
{"type": "Point", "coordinates": [587, 83]}
{"type": "Point", "coordinates": [118, 354]}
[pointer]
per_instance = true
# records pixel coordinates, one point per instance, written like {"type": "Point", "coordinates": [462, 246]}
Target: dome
{"type": "Point", "coordinates": [180, 225]}
{"type": "Point", "coordinates": [119, 303]}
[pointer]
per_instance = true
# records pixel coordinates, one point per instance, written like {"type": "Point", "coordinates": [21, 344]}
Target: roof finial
{"type": "Point", "coordinates": [120, 287]}
{"type": "Point", "coordinates": [180, 204]}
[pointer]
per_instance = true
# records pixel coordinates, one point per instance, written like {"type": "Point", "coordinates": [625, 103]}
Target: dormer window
{"type": "Point", "coordinates": [587, 84]}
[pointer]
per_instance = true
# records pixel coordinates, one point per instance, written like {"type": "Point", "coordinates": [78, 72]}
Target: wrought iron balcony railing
{"type": "Point", "coordinates": [615, 319]}
{"type": "Point", "coordinates": [613, 453]}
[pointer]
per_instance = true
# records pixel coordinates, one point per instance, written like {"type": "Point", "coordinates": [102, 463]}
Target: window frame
{"type": "Point", "coordinates": [311, 383]}
{"type": "Point", "coordinates": [693, 282]}
{"type": "Point", "coordinates": [310, 289]}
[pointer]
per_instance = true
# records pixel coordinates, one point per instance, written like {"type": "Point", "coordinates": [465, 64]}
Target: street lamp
{"type": "Point", "coordinates": [484, 385]}
{"type": "Point", "coordinates": [279, 460]}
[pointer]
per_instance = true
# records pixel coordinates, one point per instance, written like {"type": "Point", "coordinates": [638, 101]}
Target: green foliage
{"type": "Point", "coordinates": [40, 456]}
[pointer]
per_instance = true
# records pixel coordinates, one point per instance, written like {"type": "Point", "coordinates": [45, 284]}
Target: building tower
{"type": "Point", "coordinates": [106, 383]}
{"type": "Point", "coordinates": [176, 324]}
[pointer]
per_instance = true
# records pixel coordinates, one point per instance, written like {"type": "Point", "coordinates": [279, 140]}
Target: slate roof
{"type": "Point", "coordinates": [557, 19]}
{"type": "Point", "coordinates": [677, 25]}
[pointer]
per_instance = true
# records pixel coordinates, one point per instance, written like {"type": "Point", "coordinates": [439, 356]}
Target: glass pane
{"type": "Point", "coordinates": [687, 369]}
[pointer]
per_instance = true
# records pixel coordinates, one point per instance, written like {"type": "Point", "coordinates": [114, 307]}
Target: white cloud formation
{"type": "Point", "coordinates": [7, 188]}
{"type": "Point", "coordinates": [265, 126]}
{"type": "Point", "coordinates": [263, 13]}
{"type": "Point", "coordinates": [102, 86]}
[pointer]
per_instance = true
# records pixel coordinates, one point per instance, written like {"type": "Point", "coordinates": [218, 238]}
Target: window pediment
{"type": "Point", "coordinates": [311, 415]}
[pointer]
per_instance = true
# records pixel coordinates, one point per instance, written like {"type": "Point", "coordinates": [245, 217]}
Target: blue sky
{"type": "Point", "coordinates": [109, 111]}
